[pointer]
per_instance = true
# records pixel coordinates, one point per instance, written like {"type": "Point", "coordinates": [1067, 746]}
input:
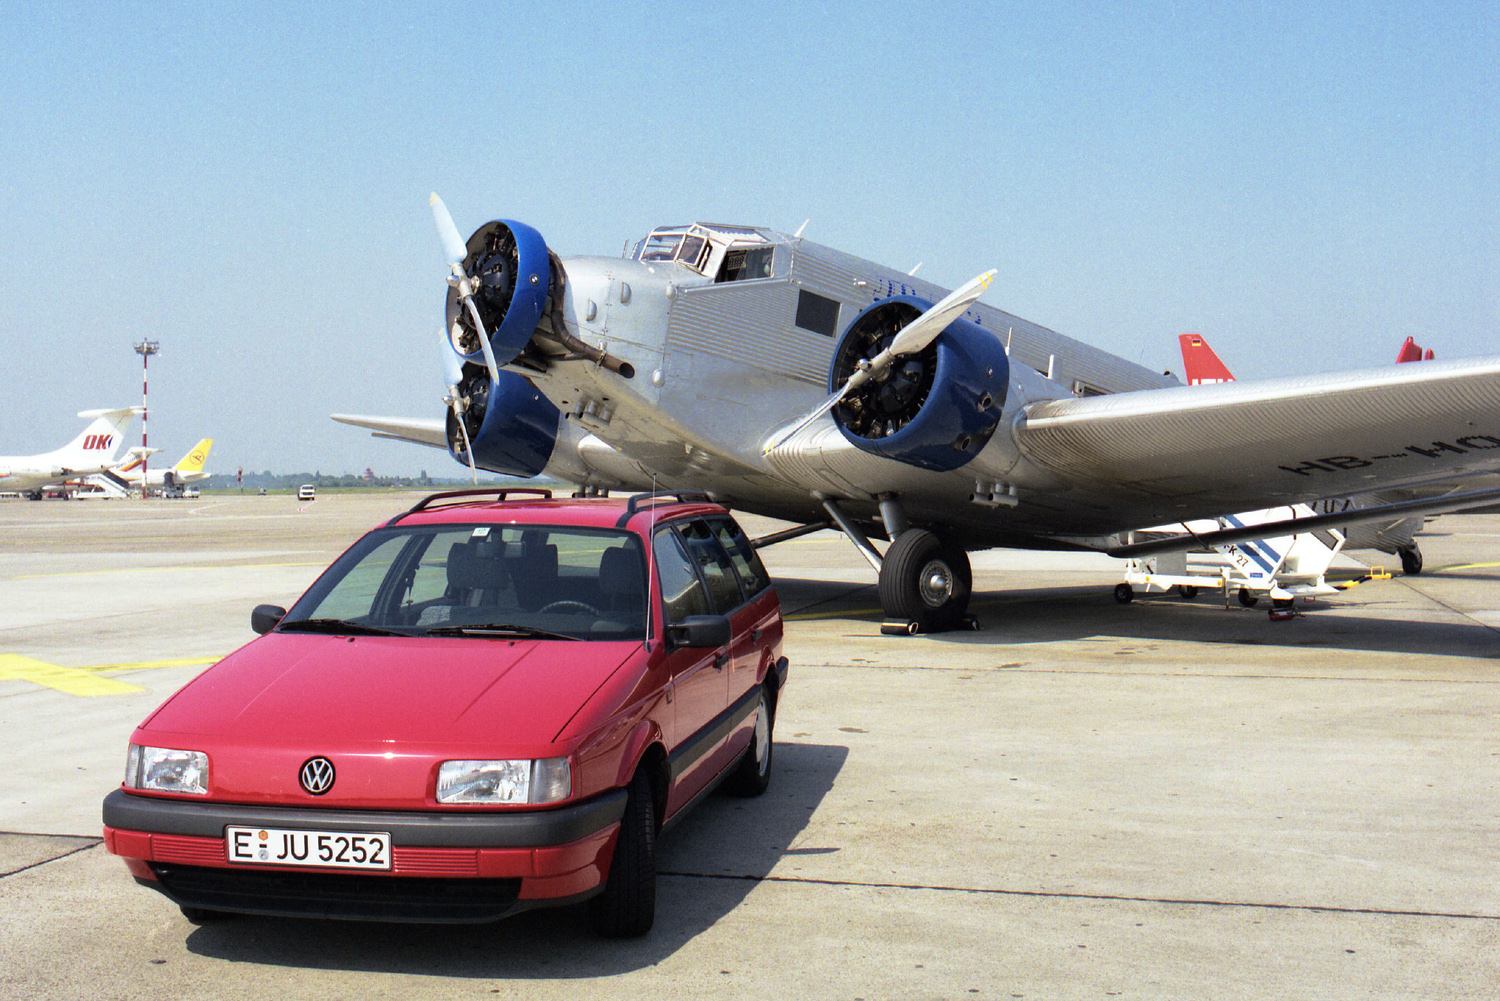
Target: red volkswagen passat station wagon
{"type": "Point", "coordinates": [485, 705]}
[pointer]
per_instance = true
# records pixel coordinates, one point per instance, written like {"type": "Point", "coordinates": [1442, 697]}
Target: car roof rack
{"type": "Point", "coordinates": [679, 496]}
{"type": "Point", "coordinates": [450, 498]}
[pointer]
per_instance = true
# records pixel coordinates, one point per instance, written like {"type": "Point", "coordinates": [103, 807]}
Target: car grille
{"type": "Point", "coordinates": [171, 848]}
{"type": "Point", "coordinates": [352, 896]}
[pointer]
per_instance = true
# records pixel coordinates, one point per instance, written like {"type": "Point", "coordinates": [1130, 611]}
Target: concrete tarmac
{"type": "Point", "coordinates": [1167, 799]}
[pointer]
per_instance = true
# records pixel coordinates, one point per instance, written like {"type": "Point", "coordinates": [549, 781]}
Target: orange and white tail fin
{"type": "Point", "coordinates": [1412, 351]}
{"type": "Point", "coordinates": [1199, 363]}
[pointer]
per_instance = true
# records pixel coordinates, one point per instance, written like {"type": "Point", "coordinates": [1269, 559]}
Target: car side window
{"type": "Point", "coordinates": [682, 593]}
{"type": "Point", "coordinates": [715, 565]}
{"type": "Point", "coordinates": [746, 561]}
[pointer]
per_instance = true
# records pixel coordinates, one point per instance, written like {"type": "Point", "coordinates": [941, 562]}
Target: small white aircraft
{"type": "Point", "coordinates": [93, 451]}
{"type": "Point", "coordinates": [704, 360]}
{"type": "Point", "coordinates": [1394, 535]}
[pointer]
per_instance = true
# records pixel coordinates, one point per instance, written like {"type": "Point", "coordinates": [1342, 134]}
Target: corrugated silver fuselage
{"type": "Point", "coordinates": [720, 367]}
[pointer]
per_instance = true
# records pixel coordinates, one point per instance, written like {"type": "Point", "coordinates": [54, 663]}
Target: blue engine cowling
{"type": "Point", "coordinates": [516, 425]}
{"type": "Point", "coordinates": [935, 409]}
{"type": "Point", "coordinates": [511, 271]}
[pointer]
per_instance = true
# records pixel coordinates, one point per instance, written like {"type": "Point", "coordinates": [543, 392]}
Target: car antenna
{"type": "Point", "coordinates": [650, 563]}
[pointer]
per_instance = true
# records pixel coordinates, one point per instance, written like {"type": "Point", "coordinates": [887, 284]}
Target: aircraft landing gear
{"type": "Point", "coordinates": [1411, 561]}
{"type": "Point", "coordinates": [925, 583]}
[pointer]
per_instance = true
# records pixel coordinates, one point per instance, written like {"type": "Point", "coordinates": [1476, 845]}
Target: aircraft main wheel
{"type": "Point", "coordinates": [1249, 598]}
{"type": "Point", "coordinates": [1124, 593]}
{"type": "Point", "coordinates": [1411, 561]}
{"type": "Point", "coordinates": [925, 581]}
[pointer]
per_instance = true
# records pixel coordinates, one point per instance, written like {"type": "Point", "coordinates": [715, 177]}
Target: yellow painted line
{"type": "Point", "coordinates": [1464, 566]}
{"type": "Point", "coordinates": [148, 665]}
{"type": "Point", "coordinates": [72, 680]}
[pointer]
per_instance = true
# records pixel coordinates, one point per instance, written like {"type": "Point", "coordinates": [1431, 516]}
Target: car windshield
{"type": "Point", "coordinates": [540, 581]}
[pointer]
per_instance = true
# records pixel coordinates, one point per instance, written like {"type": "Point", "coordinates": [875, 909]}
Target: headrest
{"type": "Point", "coordinates": [620, 571]}
{"type": "Point", "coordinates": [467, 569]}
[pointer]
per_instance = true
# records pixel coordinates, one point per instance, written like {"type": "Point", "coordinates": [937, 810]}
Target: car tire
{"type": "Point", "coordinates": [752, 776]}
{"type": "Point", "coordinates": [1124, 593]}
{"type": "Point", "coordinates": [627, 907]}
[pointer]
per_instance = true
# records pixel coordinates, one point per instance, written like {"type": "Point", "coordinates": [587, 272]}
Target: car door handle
{"type": "Point", "coordinates": [756, 634]}
{"type": "Point", "coordinates": [721, 660]}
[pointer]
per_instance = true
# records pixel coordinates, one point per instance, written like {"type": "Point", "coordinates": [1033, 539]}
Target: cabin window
{"type": "Point", "coordinates": [816, 313]}
{"type": "Point", "coordinates": [747, 264]}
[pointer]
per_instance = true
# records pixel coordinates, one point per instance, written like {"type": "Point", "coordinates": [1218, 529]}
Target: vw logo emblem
{"type": "Point", "coordinates": [316, 776]}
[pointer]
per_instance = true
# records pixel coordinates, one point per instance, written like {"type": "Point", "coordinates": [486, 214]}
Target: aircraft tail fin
{"type": "Point", "coordinates": [99, 442]}
{"type": "Point", "coordinates": [1199, 363]}
{"type": "Point", "coordinates": [197, 455]}
{"type": "Point", "coordinates": [1412, 351]}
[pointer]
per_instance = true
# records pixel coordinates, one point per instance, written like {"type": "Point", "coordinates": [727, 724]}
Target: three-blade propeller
{"type": "Point", "coordinates": [915, 336]}
{"type": "Point", "coordinates": [454, 250]}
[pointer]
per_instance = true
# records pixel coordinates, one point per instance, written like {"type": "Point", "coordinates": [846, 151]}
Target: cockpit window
{"type": "Point", "coordinates": [662, 245]}
{"type": "Point", "coordinates": [725, 253]}
{"type": "Point", "coordinates": [693, 252]}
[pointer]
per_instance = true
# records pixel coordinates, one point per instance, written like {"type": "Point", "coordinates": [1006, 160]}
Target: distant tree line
{"type": "Point", "coordinates": [267, 480]}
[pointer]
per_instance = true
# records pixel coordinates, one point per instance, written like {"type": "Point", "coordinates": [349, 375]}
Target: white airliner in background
{"type": "Point", "coordinates": [93, 451]}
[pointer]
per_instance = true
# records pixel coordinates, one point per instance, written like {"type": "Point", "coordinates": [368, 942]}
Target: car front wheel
{"type": "Point", "coordinates": [627, 907]}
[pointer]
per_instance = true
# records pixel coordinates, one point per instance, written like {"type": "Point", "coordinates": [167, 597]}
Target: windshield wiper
{"type": "Point", "coordinates": [340, 627]}
{"type": "Point", "coordinates": [478, 628]}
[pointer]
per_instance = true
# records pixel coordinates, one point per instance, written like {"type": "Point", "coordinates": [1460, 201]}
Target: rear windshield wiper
{"type": "Point", "coordinates": [490, 628]}
{"type": "Point", "coordinates": [340, 627]}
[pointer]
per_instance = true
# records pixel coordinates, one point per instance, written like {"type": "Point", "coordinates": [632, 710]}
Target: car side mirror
{"type": "Point", "coordinates": [701, 631]}
{"type": "Point", "coordinates": [265, 617]}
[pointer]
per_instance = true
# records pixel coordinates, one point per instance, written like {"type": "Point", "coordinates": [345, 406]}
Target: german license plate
{"type": "Point", "coordinates": [324, 849]}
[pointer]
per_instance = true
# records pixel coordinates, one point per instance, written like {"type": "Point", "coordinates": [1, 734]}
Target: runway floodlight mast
{"type": "Point", "coordinates": [145, 349]}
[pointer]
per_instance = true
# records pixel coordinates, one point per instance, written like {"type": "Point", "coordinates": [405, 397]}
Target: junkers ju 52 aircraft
{"type": "Point", "coordinates": [703, 359]}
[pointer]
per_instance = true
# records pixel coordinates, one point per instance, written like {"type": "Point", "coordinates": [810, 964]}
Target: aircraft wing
{"type": "Point", "coordinates": [1198, 451]}
{"type": "Point", "coordinates": [419, 431]}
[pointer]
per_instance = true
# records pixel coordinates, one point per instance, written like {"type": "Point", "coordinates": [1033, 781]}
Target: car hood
{"type": "Point", "coordinates": [384, 689]}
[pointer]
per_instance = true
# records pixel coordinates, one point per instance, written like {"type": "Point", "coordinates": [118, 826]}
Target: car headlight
{"type": "Point", "coordinates": [511, 781]}
{"type": "Point", "coordinates": [164, 769]}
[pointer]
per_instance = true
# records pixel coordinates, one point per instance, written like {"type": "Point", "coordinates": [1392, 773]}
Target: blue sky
{"type": "Point", "coordinates": [247, 183]}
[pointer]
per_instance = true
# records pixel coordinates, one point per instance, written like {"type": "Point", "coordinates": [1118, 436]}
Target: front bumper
{"type": "Point", "coordinates": [445, 866]}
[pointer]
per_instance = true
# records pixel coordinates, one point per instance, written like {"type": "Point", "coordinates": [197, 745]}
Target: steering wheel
{"type": "Point", "coordinates": [570, 606]}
